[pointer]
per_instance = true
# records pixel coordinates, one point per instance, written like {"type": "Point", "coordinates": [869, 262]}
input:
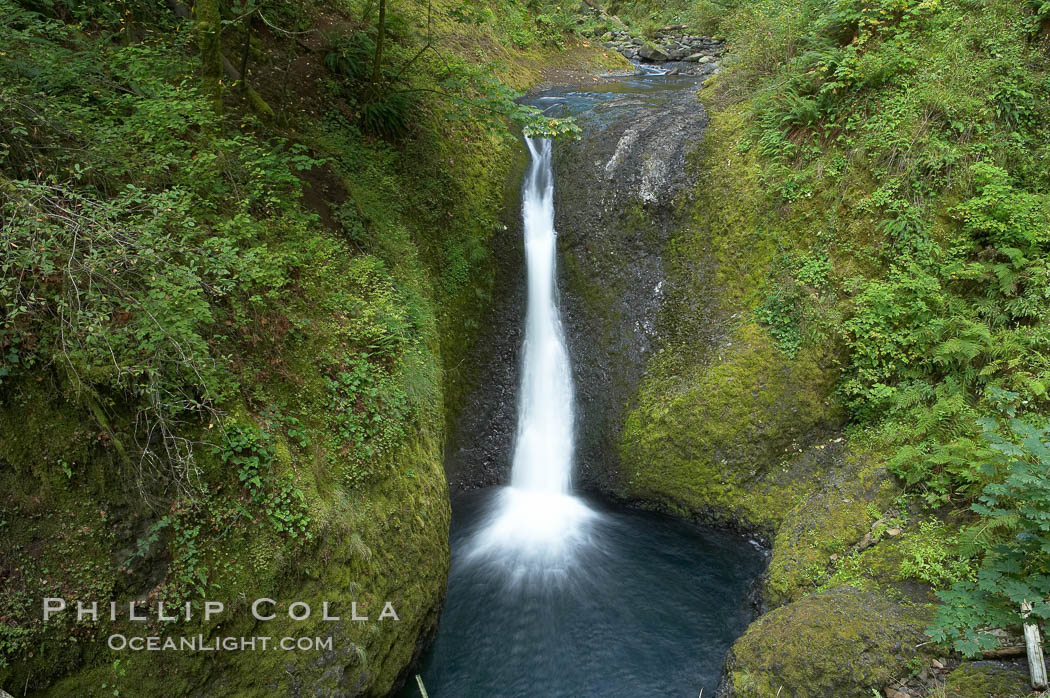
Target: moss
{"type": "Point", "coordinates": [433, 207]}
{"type": "Point", "coordinates": [842, 642]}
{"type": "Point", "coordinates": [44, 437]}
{"type": "Point", "coordinates": [716, 438]}
{"type": "Point", "coordinates": [727, 215]}
{"type": "Point", "coordinates": [830, 520]}
{"type": "Point", "coordinates": [987, 680]}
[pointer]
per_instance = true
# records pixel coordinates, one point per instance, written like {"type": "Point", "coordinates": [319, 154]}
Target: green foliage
{"type": "Point", "coordinates": [546, 23]}
{"type": "Point", "coordinates": [368, 411]}
{"type": "Point", "coordinates": [132, 271]}
{"type": "Point", "coordinates": [473, 91]}
{"type": "Point", "coordinates": [959, 323]}
{"type": "Point", "coordinates": [792, 312]}
{"type": "Point", "coordinates": [1015, 534]}
{"type": "Point", "coordinates": [863, 105]}
{"type": "Point", "coordinates": [907, 141]}
{"type": "Point", "coordinates": [932, 555]}
{"type": "Point", "coordinates": [780, 315]}
{"type": "Point", "coordinates": [277, 495]}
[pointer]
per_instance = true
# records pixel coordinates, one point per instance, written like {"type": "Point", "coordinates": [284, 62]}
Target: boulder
{"type": "Point", "coordinates": [842, 642]}
{"type": "Point", "coordinates": [709, 440]}
{"type": "Point", "coordinates": [831, 519]}
{"type": "Point", "coordinates": [652, 53]}
{"type": "Point", "coordinates": [987, 678]}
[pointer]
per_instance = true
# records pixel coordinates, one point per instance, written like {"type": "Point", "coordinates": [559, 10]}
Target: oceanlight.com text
{"type": "Point", "coordinates": [199, 643]}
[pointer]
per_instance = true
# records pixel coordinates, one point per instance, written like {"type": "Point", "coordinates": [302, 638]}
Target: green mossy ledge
{"type": "Point", "coordinates": [849, 487]}
{"type": "Point", "coordinates": [719, 438]}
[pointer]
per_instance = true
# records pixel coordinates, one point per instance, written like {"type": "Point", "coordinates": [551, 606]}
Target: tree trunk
{"type": "Point", "coordinates": [209, 28]}
{"type": "Point", "coordinates": [377, 62]}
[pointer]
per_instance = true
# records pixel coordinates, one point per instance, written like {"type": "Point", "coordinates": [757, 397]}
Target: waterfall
{"type": "Point", "coordinates": [536, 519]}
{"type": "Point", "coordinates": [543, 447]}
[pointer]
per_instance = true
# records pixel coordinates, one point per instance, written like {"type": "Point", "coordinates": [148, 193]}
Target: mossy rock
{"type": "Point", "coordinates": [987, 680]}
{"type": "Point", "coordinates": [719, 438]}
{"type": "Point", "coordinates": [843, 642]}
{"type": "Point", "coordinates": [828, 522]}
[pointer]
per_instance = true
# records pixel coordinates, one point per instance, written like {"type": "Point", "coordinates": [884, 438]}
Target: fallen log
{"type": "Point", "coordinates": [1003, 652]}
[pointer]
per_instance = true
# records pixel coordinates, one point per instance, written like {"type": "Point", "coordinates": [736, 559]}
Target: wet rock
{"type": "Point", "coordinates": [613, 213]}
{"type": "Point", "coordinates": [652, 53]}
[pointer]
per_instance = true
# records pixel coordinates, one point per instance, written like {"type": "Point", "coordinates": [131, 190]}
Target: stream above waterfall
{"type": "Point", "coordinates": [556, 593]}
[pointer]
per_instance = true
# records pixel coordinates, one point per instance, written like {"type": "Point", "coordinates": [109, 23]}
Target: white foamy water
{"type": "Point", "coordinates": [537, 522]}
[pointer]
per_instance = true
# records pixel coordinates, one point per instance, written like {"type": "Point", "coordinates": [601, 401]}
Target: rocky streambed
{"type": "Point", "coordinates": [672, 50]}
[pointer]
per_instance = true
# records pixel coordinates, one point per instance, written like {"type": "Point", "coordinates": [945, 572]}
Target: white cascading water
{"type": "Point", "coordinates": [536, 521]}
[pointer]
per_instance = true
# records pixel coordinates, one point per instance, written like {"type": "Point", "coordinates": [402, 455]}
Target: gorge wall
{"type": "Point", "coordinates": [329, 282]}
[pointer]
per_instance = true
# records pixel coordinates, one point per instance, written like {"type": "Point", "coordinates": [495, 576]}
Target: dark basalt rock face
{"type": "Point", "coordinates": [615, 190]}
{"type": "Point", "coordinates": [614, 211]}
{"type": "Point", "coordinates": [481, 438]}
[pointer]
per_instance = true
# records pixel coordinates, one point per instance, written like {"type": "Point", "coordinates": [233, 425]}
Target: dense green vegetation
{"type": "Point", "coordinates": [901, 151]}
{"type": "Point", "coordinates": [242, 240]}
{"type": "Point", "coordinates": [870, 231]}
{"type": "Point", "coordinates": [236, 250]}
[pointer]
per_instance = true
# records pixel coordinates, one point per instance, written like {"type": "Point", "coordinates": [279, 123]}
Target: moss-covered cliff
{"type": "Point", "coordinates": [231, 329]}
{"type": "Point", "coordinates": [807, 387]}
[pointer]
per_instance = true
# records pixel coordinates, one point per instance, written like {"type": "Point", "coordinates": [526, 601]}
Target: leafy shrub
{"type": "Point", "coordinates": [932, 555]}
{"type": "Point", "coordinates": [117, 271]}
{"type": "Point", "coordinates": [283, 503]}
{"type": "Point", "coordinates": [388, 115]}
{"type": "Point", "coordinates": [1016, 536]}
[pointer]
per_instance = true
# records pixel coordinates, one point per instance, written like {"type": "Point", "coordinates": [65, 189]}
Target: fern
{"type": "Point", "coordinates": [1014, 537]}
